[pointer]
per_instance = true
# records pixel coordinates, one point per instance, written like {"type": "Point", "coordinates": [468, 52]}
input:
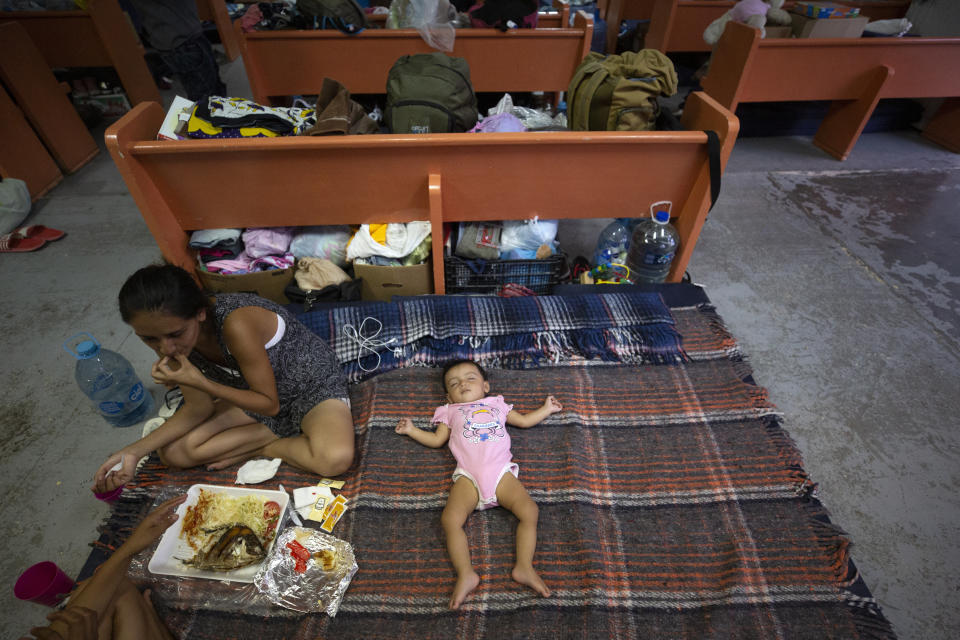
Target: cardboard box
{"type": "Point", "coordinates": [804, 27]}
{"type": "Point", "coordinates": [772, 31]}
{"type": "Point", "coordinates": [381, 283]}
{"type": "Point", "coordinates": [266, 284]}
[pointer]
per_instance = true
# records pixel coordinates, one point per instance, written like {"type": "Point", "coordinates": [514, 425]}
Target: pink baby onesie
{"type": "Point", "coordinates": [480, 443]}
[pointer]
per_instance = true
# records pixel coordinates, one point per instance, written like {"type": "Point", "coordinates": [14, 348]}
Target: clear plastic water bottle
{"type": "Point", "coordinates": [109, 381]}
{"type": "Point", "coordinates": [613, 243]}
{"type": "Point", "coordinates": [652, 247]}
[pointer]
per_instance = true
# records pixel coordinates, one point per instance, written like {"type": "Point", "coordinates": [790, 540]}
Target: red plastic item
{"type": "Point", "coordinates": [44, 583]}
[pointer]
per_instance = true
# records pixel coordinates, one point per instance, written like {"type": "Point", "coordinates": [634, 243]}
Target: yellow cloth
{"type": "Point", "coordinates": [199, 124]}
{"type": "Point", "coordinates": [379, 233]}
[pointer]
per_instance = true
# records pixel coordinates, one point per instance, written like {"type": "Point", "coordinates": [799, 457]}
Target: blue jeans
{"type": "Point", "coordinates": [194, 64]}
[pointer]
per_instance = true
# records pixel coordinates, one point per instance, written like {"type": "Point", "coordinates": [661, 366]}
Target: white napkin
{"type": "Point", "coordinates": [257, 471]}
{"type": "Point", "coordinates": [305, 497]}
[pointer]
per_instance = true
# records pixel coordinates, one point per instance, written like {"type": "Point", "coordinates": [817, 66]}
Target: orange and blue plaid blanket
{"type": "Point", "coordinates": [672, 504]}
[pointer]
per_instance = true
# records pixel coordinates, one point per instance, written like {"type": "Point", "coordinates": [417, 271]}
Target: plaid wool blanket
{"type": "Point", "coordinates": [672, 504]}
{"type": "Point", "coordinates": [498, 332]}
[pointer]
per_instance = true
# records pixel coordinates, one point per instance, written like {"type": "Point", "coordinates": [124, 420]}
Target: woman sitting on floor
{"type": "Point", "coordinates": [255, 381]}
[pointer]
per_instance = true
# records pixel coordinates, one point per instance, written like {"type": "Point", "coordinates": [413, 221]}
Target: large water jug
{"type": "Point", "coordinates": [109, 381]}
{"type": "Point", "coordinates": [652, 247]}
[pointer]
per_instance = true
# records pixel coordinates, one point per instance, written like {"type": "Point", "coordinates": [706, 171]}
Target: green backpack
{"type": "Point", "coordinates": [619, 92]}
{"type": "Point", "coordinates": [345, 15]}
{"type": "Point", "coordinates": [430, 93]}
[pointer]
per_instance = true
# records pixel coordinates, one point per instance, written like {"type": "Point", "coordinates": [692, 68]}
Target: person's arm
{"type": "Point", "coordinates": [432, 439]}
{"type": "Point", "coordinates": [535, 417]}
{"type": "Point", "coordinates": [196, 408]}
{"type": "Point", "coordinates": [99, 591]}
{"type": "Point", "coordinates": [245, 331]}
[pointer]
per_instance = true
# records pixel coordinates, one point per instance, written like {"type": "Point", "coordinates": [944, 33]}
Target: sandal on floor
{"type": "Point", "coordinates": [39, 231]}
{"type": "Point", "coordinates": [171, 402]}
{"type": "Point", "coordinates": [11, 243]}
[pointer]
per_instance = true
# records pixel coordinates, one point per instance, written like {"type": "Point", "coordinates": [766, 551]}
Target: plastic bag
{"type": "Point", "coordinates": [499, 122]}
{"type": "Point", "coordinates": [328, 242]}
{"type": "Point", "coordinates": [895, 28]}
{"type": "Point", "coordinates": [479, 240]}
{"type": "Point", "coordinates": [14, 203]}
{"type": "Point", "coordinates": [401, 240]}
{"type": "Point", "coordinates": [531, 118]}
{"type": "Point", "coordinates": [522, 238]}
{"type": "Point", "coordinates": [434, 19]}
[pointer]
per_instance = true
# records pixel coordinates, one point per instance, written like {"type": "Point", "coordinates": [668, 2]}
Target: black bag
{"type": "Point", "coordinates": [498, 13]}
{"type": "Point", "coordinates": [345, 15]}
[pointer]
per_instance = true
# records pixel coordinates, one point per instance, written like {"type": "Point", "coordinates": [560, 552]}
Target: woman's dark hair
{"type": "Point", "coordinates": [161, 287]}
{"type": "Point", "coordinates": [454, 363]}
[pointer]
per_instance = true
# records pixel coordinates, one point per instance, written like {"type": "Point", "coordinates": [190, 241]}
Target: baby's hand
{"type": "Point", "coordinates": [552, 404]}
{"type": "Point", "coordinates": [404, 426]}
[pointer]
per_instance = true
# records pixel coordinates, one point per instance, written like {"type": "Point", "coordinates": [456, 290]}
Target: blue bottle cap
{"type": "Point", "coordinates": [663, 217]}
{"type": "Point", "coordinates": [87, 349]}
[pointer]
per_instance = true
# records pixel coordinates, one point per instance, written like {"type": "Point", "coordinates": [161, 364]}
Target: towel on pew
{"type": "Point", "coordinates": [221, 117]}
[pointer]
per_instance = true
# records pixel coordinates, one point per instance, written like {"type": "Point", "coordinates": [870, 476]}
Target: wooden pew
{"type": "Point", "coordinates": [558, 17]}
{"type": "Point", "coordinates": [185, 185]}
{"type": "Point", "coordinates": [43, 100]}
{"type": "Point", "coordinates": [678, 25]}
{"type": "Point", "coordinates": [620, 10]}
{"type": "Point", "coordinates": [852, 72]}
{"type": "Point", "coordinates": [285, 63]}
{"type": "Point", "coordinates": [101, 36]}
{"type": "Point", "coordinates": [22, 155]}
{"type": "Point", "coordinates": [216, 11]}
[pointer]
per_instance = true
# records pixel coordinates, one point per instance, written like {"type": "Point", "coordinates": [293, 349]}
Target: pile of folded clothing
{"type": "Point", "coordinates": [234, 252]}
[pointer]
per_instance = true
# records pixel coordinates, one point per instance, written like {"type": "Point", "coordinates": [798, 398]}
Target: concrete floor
{"type": "Point", "coordinates": [839, 279]}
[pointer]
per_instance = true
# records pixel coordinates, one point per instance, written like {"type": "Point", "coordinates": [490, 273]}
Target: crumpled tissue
{"type": "Point", "coordinates": [257, 471]}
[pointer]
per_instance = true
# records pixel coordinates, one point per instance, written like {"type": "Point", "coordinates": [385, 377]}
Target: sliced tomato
{"type": "Point", "coordinates": [271, 510]}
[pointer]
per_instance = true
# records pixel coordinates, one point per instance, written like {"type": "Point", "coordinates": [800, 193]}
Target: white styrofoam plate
{"type": "Point", "coordinates": [166, 559]}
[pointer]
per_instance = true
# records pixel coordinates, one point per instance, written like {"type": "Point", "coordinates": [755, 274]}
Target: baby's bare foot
{"type": "Point", "coordinates": [465, 584]}
{"type": "Point", "coordinates": [529, 577]}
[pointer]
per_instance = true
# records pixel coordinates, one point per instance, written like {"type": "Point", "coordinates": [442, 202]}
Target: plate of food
{"type": "Point", "coordinates": [223, 533]}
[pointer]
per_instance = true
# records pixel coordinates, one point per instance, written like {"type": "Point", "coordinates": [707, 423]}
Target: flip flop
{"type": "Point", "coordinates": [39, 231]}
{"type": "Point", "coordinates": [11, 243]}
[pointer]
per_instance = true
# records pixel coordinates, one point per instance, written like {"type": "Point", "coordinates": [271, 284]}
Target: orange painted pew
{"type": "Point", "coordinates": [184, 185]}
{"type": "Point", "coordinates": [43, 100]}
{"type": "Point", "coordinates": [22, 155]}
{"type": "Point", "coordinates": [101, 36]}
{"type": "Point", "coordinates": [854, 73]}
{"type": "Point", "coordinates": [294, 62]}
{"type": "Point", "coordinates": [678, 25]}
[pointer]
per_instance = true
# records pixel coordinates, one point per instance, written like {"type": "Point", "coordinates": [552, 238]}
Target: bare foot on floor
{"type": "Point", "coordinates": [465, 584]}
{"type": "Point", "coordinates": [529, 577]}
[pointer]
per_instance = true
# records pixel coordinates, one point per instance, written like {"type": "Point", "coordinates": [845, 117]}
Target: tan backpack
{"type": "Point", "coordinates": [619, 92]}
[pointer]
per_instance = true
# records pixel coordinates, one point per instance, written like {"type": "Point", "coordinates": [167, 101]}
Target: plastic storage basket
{"type": "Point", "coordinates": [463, 275]}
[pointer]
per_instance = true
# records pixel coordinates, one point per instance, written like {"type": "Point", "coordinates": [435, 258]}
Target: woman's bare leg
{"type": "Point", "coordinates": [228, 434]}
{"type": "Point", "coordinates": [460, 504]}
{"type": "Point", "coordinates": [513, 496]}
{"type": "Point", "coordinates": [326, 445]}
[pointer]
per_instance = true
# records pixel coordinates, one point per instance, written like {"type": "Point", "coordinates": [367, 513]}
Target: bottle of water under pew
{"type": "Point", "coordinates": [652, 246]}
{"type": "Point", "coordinates": [613, 242]}
{"type": "Point", "coordinates": [108, 379]}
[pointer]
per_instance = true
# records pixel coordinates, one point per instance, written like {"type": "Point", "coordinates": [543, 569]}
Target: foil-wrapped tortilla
{"type": "Point", "coordinates": [307, 584]}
